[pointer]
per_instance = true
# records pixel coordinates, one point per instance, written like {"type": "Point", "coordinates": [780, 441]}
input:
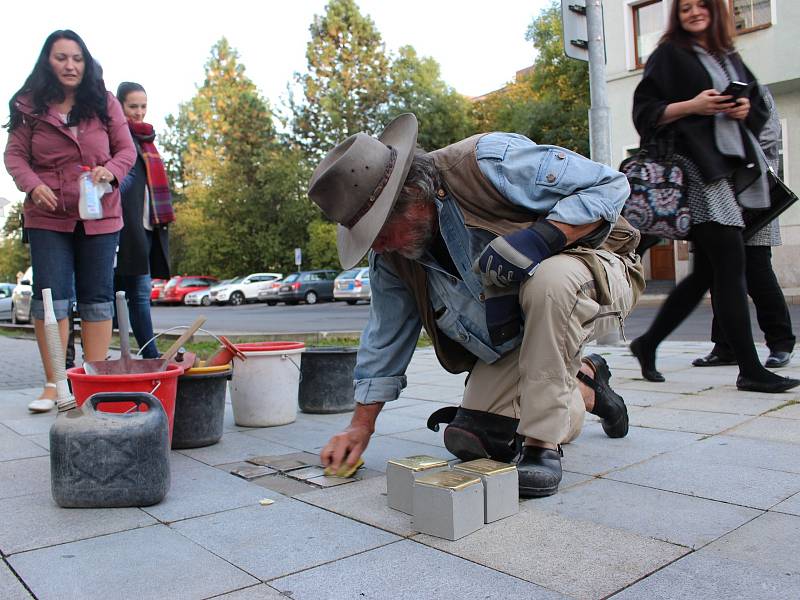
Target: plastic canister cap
{"type": "Point", "coordinates": [85, 168]}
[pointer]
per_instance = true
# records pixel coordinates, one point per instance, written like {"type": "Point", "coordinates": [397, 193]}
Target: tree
{"type": "Point", "coordinates": [416, 86]}
{"type": "Point", "coordinates": [321, 252]}
{"type": "Point", "coordinates": [14, 256]}
{"type": "Point", "coordinates": [345, 89]}
{"type": "Point", "coordinates": [244, 205]}
{"type": "Point", "coordinates": [551, 105]}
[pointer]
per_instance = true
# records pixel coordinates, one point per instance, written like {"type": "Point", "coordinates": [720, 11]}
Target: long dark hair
{"type": "Point", "coordinates": [126, 87]}
{"type": "Point", "coordinates": [719, 35]}
{"type": "Point", "coordinates": [43, 86]}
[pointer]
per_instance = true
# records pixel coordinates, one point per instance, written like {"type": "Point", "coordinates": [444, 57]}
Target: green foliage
{"type": "Point", "coordinates": [345, 88]}
{"type": "Point", "coordinates": [551, 105]}
{"type": "Point", "coordinates": [321, 250]}
{"type": "Point", "coordinates": [416, 86]}
{"type": "Point", "coordinates": [14, 256]}
{"type": "Point", "coordinates": [244, 205]}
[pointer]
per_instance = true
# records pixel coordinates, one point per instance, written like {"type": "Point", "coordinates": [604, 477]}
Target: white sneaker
{"type": "Point", "coordinates": [43, 405]}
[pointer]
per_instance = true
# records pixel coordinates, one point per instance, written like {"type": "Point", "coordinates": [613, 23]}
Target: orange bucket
{"type": "Point", "coordinates": [163, 385]}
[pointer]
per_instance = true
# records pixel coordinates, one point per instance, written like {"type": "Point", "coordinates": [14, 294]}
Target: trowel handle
{"type": "Point", "coordinates": [167, 356]}
{"type": "Point", "coordinates": [123, 322]}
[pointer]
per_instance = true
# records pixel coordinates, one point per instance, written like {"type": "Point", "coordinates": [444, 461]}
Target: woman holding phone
{"type": "Point", "coordinates": [682, 96]}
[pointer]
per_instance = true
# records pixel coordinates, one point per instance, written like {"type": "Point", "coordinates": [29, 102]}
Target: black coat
{"type": "Point", "coordinates": [675, 74]}
{"type": "Point", "coordinates": [133, 257]}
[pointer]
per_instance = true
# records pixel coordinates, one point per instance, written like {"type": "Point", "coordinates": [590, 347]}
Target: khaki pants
{"type": "Point", "coordinates": [536, 383]}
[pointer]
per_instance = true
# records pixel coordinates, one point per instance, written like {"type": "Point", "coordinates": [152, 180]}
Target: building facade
{"type": "Point", "coordinates": [766, 32]}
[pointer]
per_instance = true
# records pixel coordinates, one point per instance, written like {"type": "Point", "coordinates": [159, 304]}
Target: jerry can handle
{"type": "Point", "coordinates": [136, 397]}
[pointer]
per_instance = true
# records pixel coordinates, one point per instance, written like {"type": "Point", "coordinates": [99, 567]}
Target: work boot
{"type": "Point", "coordinates": [539, 471]}
{"type": "Point", "coordinates": [608, 405]}
{"type": "Point", "coordinates": [475, 434]}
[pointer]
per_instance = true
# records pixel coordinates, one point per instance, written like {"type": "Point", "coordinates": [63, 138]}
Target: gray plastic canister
{"type": "Point", "coordinates": [200, 407]}
{"type": "Point", "coordinates": [110, 460]}
{"type": "Point", "coordinates": [326, 380]}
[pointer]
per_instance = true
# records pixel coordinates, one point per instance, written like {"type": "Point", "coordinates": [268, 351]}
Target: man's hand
{"type": "Point", "coordinates": [348, 445]}
{"type": "Point", "coordinates": [511, 259]}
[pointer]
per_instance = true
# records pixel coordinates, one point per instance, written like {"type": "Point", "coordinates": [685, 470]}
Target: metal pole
{"type": "Point", "coordinates": [599, 126]}
{"type": "Point", "coordinates": [599, 115]}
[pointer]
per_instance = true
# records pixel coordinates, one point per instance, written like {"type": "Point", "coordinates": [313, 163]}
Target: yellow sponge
{"type": "Point", "coordinates": [345, 470]}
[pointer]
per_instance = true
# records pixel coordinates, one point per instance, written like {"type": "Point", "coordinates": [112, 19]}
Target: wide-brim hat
{"type": "Point", "coordinates": [358, 182]}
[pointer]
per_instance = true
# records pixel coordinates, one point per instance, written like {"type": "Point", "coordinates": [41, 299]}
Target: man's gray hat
{"type": "Point", "coordinates": [358, 182]}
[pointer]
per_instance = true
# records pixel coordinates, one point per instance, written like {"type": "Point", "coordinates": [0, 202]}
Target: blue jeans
{"type": "Point", "coordinates": [137, 292]}
{"type": "Point", "coordinates": [61, 258]}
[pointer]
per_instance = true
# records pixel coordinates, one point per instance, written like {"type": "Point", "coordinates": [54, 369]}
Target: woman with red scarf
{"type": "Point", "coordinates": [146, 212]}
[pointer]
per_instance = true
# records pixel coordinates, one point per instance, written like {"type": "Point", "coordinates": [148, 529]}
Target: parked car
{"type": "Point", "coordinates": [180, 285]}
{"type": "Point", "coordinates": [21, 298]}
{"type": "Point", "coordinates": [203, 297]}
{"type": "Point", "coordinates": [353, 285]}
{"type": "Point", "coordinates": [308, 286]}
{"type": "Point", "coordinates": [269, 294]}
{"type": "Point", "coordinates": [242, 289]}
{"type": "Point", "coordinates": [6, 289]}
{"type": "Point", "coordinates": [155, 290]}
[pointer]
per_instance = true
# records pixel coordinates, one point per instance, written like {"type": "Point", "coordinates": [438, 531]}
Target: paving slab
{"type": "Point", "coordinates": [574, 557]}
{"type": "Point", "coordinates": [10, 586]}
{"type": "Point", "coordinates": [407, 570]}
{"type": "Point", "coordinates": [787, 412]}
{"type": "Point", "coordinates": [24, 476]}
{"type": "Point", "coordinates": [594, 452]}
{"type": "Point", "coordinates": [280, 484]}
{"type": "Point", "coordinates": [14, 446]}
{"type": "Point", "coordinates": [363, 501]}
{"type": "Point", "coordinates": [771, 541]}
{"type": "Point", "coordinates": [789, 506]}
{"type": "Point", "coordinates": [198, 489]}
{"type": "Point", "coordinates": [715, 480]}
{"type": "Point", "coordinates": [705, 575]}
{"type": "Point", "coordinates": [686, 420]}
{"type": "Point", "coordinates": [153, 562]}
{"type": "Point", "coordinates": [438, 393]}
{"type": "Point", "coordinates": [634, 397]}
{"type": "Point", "coordinates": [768, 428]}
{"type": "Point", "coordinates": [309, 435]}
{"type": "Point", "coordinates": [36, 521]}
{"type": "Point", "coordinates": [714, 401]}
{"type": "Point", "coordinates": [256, 592]}
{"type": "Point", "coordinates": [422, 436]}
{"type": "Point", "coordinates": [31, 426]}
{"type": "Point", "coordinates": [235, 446]}
{"type": "Point", "coordinates": [666, 516]}
{"type": "Point", "coordinates": [735, 451]}
{"type": "Point", "coordinates": [383, 448]}
{"type": "Point", "coordinates": [694, 386]}
{"type": "Point", "coordinates": [283, 538]}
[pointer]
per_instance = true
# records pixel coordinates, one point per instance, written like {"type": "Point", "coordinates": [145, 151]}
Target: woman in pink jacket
{"type": "Point", "coordinates": [62, 119]}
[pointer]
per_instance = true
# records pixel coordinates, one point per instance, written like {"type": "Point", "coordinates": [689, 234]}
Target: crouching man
{"type": "Point", "coordinates": [513, 256]}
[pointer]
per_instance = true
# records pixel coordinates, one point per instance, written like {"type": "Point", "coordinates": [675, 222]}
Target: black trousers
{"type": "Point", "coordinates": [771, 310]}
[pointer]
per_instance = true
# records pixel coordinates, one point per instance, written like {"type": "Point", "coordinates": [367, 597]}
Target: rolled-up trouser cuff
{"type": "Point", "coordinates": [378, 389]}
{"type": "Point", "coordinates": [60, 307]}
{"type": "Point", "coordinates": [102, 311]}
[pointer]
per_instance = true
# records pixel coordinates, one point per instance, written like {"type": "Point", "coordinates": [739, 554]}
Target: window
{"type": "Point", "coordinates": [648, 25]}
{"type": "Point", "coordinates": [751, 15]}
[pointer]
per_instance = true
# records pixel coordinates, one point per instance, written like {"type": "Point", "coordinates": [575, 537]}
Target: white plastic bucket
{"type": "Point", "coordinates": [264, 387]}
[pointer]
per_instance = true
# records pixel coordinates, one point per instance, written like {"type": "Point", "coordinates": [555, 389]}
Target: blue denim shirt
{"type": "Point", "coordinates": [549, 181]}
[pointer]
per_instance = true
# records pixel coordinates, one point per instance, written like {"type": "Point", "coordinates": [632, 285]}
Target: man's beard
{"type": "Point", "coordinates": [422, 236]}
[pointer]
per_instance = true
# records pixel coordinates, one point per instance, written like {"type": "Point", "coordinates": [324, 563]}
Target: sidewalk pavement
{"type": "Point", "coordinates": [701, 500]}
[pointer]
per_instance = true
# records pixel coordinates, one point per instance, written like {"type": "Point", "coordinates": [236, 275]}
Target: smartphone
{"type": "Point", "coordinates": [735, 89]}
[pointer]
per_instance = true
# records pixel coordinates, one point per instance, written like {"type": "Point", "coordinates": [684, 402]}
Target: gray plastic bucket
{"type": "Point", "coordinates": [326, 380]}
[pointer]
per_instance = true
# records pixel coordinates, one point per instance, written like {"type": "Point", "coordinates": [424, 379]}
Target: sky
{"type": "Point", "coordinates": [164, 44]}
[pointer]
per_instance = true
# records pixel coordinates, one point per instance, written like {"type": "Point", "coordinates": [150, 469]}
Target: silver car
{"type": "Point", "coordinates": [6, 289]}
{"type": "Point", "coordinates": [353, 285]}
{"type": "Point", "coordinates": [21, 299]}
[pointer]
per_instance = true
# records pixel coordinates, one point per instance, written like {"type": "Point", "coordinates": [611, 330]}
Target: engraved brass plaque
{"type": "Point", "coordinates": [419, 463]}
{"type": "Point", "coordinates": [485, 466]}
{"type": "Point", "coordinates": [448, 480]}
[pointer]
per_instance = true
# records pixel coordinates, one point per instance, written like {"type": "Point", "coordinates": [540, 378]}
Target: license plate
{"type": "Point", "coordinates": [285, 288]}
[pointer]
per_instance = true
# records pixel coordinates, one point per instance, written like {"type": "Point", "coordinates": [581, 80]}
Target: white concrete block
{"type": "Point", "coordinates": [400, 476]}
{"type": "Point", "coordinates": [448, 504]}
{"type": "Point", "coordinates": [500, 486]}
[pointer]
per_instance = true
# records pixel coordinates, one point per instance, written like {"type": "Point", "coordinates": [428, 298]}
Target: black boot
{"type": "Point", "coordinates": [539, 471]}
{"type": "Point", "coordinates": [475, 434]}
{"type": "Point", "coordinates": [608, 405]}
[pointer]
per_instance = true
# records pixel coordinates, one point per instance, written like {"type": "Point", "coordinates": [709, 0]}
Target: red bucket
{"type": "Point", "coordinates": [163, 385]}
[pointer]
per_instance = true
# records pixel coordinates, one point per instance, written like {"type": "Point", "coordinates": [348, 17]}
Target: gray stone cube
{"type": "Point", "coordinates": [448, 504]}
{"type": "Point", "coordinates": [401, 474]}
{"type": "Point", "coordinates": [500, 486]}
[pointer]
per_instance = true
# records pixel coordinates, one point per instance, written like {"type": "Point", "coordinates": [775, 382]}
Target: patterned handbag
{"type": "Point", "coordinates": [658, 204]}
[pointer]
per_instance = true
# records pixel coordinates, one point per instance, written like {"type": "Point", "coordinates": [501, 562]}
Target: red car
{"type": "Point", "coordinates": [155, 291]}
{"type": "Point", "coordinates": [180, 285]}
